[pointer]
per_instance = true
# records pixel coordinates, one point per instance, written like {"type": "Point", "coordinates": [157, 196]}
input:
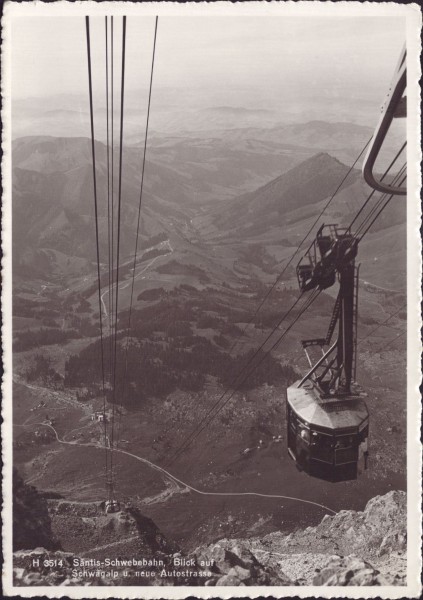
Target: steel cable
{"type": "Point", "coordinates": [87, 25]}
{"type": "Point", "coordinates": [109, 248]}
{"type": "Point", "coordinates": [381, 324]}
{"type": "Point", "coordinates": [138, 226]}
{"type": "Point", "coordinates": [122, 96]}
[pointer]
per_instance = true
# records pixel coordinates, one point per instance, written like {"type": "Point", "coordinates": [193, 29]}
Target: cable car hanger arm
{"type": "Point", "coordinates": [395, 106]}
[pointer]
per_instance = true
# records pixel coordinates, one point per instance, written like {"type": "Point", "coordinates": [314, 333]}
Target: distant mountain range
{"type": "Point", "coordinates": [53, 202]}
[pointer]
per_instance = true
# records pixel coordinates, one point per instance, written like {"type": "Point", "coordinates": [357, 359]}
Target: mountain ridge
{"type": "Point", "coordinates": [53, 204]}
{"type": "Point", "coordinates": [310, 182]}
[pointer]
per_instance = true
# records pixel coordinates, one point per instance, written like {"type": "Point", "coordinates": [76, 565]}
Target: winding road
{"type": "Point", "coordinates": [186, 485]}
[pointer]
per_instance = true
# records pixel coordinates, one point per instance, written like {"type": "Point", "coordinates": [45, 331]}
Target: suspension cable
{"type": "Point", "coordinates": [381, 324]}
{"type": "Point", "coordinates": [112, 226]}
{"type": "Point", "coordinates": [387, 201]}
{"type": "Point", "coordinates": [379, 202]}
{"type": "Point", "coordinates": [394, 160]}
{"type": "Point", "coordinates": [108, 219]}
{"type": "Point", "coordinates": [385, 346]}
{"type": "Point", "coordinates": [87, 25]}
{"type": "Point", "coordinates": [138, 224]}
{"type": "Point", "coordinates": [122, 95]}
{"type": "Point", "coordinates": [109, 210]}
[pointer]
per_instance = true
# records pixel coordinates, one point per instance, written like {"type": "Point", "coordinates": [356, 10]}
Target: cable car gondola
{"type": "Point", "coordinates": [328, 420]}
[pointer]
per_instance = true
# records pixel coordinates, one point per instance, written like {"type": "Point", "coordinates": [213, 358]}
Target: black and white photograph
{"type": "Point", "coordinates": [211, 285]}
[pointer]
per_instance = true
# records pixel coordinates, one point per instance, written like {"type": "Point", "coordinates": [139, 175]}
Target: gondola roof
{"type": "Point", "coordinates": [330, 413]}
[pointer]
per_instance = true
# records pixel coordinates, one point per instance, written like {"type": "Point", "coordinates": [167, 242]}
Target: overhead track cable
{"type": "Point", "coordinates": [381, 200]}
{"type": "Point", "coordinates": [384, 205]}
{"type": "Point", "coordinates": [385, 346]}
{"type": "Point", "coordinates": [394, 160]}
{"type": "Point", "coordinates": [378, 203]}
{"type": "Point", "coordinates": [109, 220]}
{"type": "Point", "coordinates": [87, 25]}
{"type": "Point", "coordinates": [138, 223]}
{"type": "Point", "coordinates": [381, 324]}
{"type": "Point", "coordinates": [122, 97]}
{"type": "Point", "coordinates": [112, 164]}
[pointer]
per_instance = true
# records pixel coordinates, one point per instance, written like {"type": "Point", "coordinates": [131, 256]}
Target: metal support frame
{"type": "Point", "coordinates": [345, 353]}
{"type": "Point", "coordinates": [317, 365]}
{"type": "Point", "coordinates": [394, 107]}
{"type": "Point", "coordinates": [355, 319]}
{"type": "Point", "coordinates": [335, 259]}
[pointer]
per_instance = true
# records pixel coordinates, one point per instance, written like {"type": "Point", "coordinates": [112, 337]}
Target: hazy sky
{"type": "Point", "coordinates": [49, 53]}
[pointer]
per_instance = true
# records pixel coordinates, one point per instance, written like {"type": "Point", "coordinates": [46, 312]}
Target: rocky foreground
{"type": "Point", "coordinates": [70, 543]}
{"type": "Point", "coordinates": [350, 548]}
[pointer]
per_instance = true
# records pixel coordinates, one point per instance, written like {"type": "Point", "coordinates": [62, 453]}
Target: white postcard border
{"type": "Point", "coordinates": [324, 9]}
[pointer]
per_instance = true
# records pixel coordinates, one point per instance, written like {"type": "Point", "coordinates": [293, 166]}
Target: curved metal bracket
{"type": "Point", "coordinates": [394, 107]}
